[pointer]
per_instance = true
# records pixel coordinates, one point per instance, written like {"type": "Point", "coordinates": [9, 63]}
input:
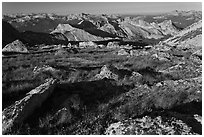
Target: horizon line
{"type": "Point", "coordinates": [141, 13]}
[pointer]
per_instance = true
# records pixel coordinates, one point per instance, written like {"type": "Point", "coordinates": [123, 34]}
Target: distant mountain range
{"type": "Point", "coordinates": [51, 28]}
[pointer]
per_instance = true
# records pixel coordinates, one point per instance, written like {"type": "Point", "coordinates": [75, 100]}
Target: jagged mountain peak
{"type": "Point", "coordinates": [75, 34]}
{"type": "Point", "coordinates": [62, 28]}
{"type": "Point", "coordinates": [103, 25]}
{"type": "Point", "coordinates": [169, 27]}
{"type": "Point", "coordinates": [167, 22]}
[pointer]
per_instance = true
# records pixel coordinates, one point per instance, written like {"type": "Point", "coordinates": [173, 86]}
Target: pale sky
{"type": "Point", "coordinates": [97, 7]}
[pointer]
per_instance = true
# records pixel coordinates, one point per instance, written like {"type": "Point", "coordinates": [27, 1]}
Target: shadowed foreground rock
{"type": "Point", "coordinates": [173, 93]}
{"type": "Point", "coordinates": [164, 95]}
{"type": "Point", "coordinates": [65, 111]}
{"type": "Point", "coordinates": [22, 109]}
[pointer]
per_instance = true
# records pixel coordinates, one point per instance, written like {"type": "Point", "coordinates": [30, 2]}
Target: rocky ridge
{"type": "Point", "coordinates": [97, 27]}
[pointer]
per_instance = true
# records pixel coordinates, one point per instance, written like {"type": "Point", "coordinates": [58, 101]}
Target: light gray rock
{"type": "Point", "coordinates": [139, 53]}
{"type": "Point", "coordinates": [161, 56]}
{"type": "Point", "coordinates": [123, 52]}
{"type": "Point", "coordinates": [22, 109]}
{"type": "Point", "coordinates": [15, 46]}
{"type": "Point", "coordinates": [87, 44]}
{"type": "Point", "coordinates": [106, 73]}
{"type": "Point", "coordinates": [149, 126]}
{"type": "Point", "coordinates": [47, 70]}
{"type": "Point", "coordinates": [112, 45]}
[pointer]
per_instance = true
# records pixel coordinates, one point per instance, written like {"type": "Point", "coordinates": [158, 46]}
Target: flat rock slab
{"type": "Point", "coordinates": [20, 110]}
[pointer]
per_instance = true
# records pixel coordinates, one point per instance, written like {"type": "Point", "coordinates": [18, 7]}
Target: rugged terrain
{"type": "Point", "coordinates": [107, 74]}
{"type": "Point", "coordinates": [35, 28]}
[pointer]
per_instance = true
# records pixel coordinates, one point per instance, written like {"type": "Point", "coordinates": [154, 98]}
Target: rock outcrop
{"type": "Point", "coordinates": [16, 46]}
{"type": "Point", "coordinates": [112, 45]}
{"type": "Point", "coordinates": [139, 53]}
{"type": "Point", "coordinates": [164, 95]}
{"type": "Point", "coordinates": [22, 109]}
{"type": "Point", "coordinates": [106, 73]}
{"type": "Point", "coordinates": [47, 71]}
{"type": "Point", "coordinates": [123, 52]}
{"type": "Point", "coordinates": [174, 93]}
{"type": "Point", "coordinates": [150, 126]}
{"type": "Point", "coordinates": [87, 44]}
